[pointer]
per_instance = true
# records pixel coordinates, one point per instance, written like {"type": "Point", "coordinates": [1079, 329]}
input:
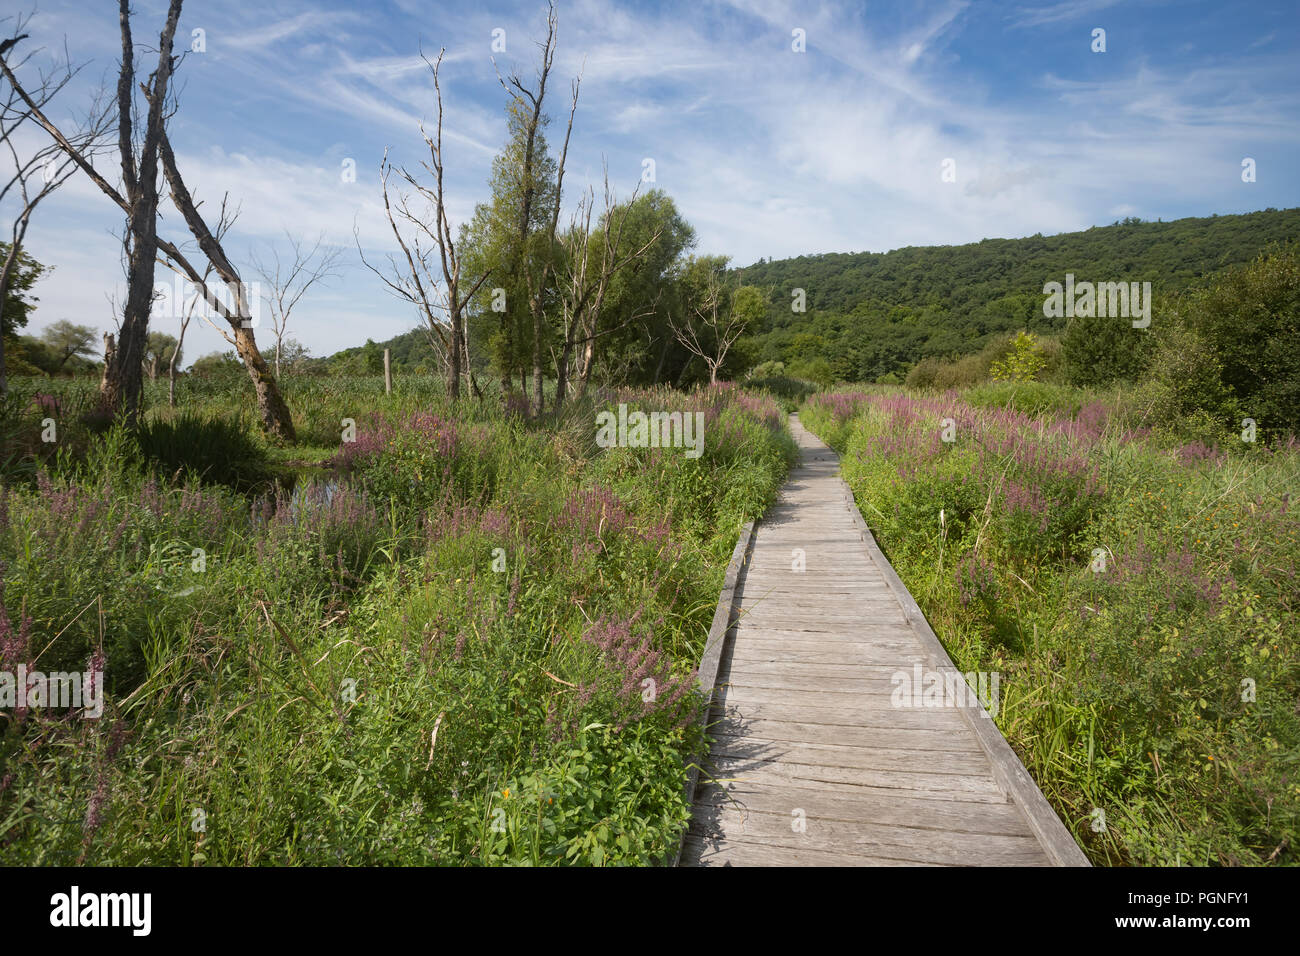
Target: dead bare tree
{"type": "Point", "coordinates": [586, 281]}
{"type": "Point", "coordinates": [109, 349]}
{"type": "Point", "coordinates": [453, 300]}
{"type": "Point", "coordinates": [238, 315]}
{"type": "Point", "coordinates": [715, 325]}
{"type": "Point", "coordinates": [412, 277]}
{"type": "Point", "coordinates": [140, 184]}
{"type": "Point", "coordinates": [542, 248]}
{"type": "Point", "coordinates": [36, 172]}
{"type": "Point", "coordinates": [287, 282]}
{"type": "Point", "coordinates": [434, 294]}
{"type": "Point", "coordinates": [138, 198]}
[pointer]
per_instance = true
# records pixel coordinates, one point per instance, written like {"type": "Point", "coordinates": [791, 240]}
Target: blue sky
{"type": "Point", "coordinates": [768, 152]}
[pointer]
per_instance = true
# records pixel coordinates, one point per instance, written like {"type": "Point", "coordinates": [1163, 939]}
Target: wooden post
{"type": "Point", "coordinates": [388, 375]}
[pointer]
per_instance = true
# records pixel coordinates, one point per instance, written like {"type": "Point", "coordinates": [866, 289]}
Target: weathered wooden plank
{"type": "Point", "coordinates": [956, 816]}
{"type": "Point", "coordinates": [882, 634]}
{"type": "Point", "coordinates": [881, 639]}
{"type": "Point", "coordinates": [851, 606]}
{"type": "Point", "coordinates": [851, 707]}
{"type": "Point", "coordinates": [850, 735]}
{"type": "Point", "coordinates": [854, 626]}
{"type": "Point", "coordinates": [914, 844]}
{"type": "Point", "coordinates": [870, 756]}
{"type": "Point", "coordinates": [784, 680]}
{"type": "Point", "coordinates": [800, 595]}
{"type": "Point", "coordinates": [827, 652]}
{"type": "Point", "coordinates": [845, 669]}
{"type": "Point", "coordinates": [777, 771]}
{"type": "Point", "coordinates": [699, 852]}
{"type": "Point", "coordinates": [836, 790]}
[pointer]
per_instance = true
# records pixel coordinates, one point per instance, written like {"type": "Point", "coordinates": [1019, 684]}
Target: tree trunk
{"type": "Point", "coordinates": [124, 378]}
{"type": "Point", "coordinates": [109, 348]}
{"type": "Point", "coordinates": [453, 384]}
{"type": "Point", "coordinates": [562, 374]}
{"type": "Point", "coordinates": [663, 357]}
{"type": "Point", "coordinates": [270, 403]}
{"type": "Point", "coordinates": [469, 367]}
{"type": "Point", "coordinates": [507, 354]}
{"type": "Point", "coordinates": [586, 363]}
{"type": "Point", "coordinates": [124, 375]}
{"type": "Point", "coordinates": [538, 322]}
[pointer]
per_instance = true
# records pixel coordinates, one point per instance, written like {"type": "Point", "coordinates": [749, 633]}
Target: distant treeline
{"type": "Point", "coordinates": [872, 316]}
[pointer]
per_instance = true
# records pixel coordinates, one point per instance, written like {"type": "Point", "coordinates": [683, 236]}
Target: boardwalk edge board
{"type": "Point", "coordinates": [1059, 844]}
{"type": "Point", "coordinates": [724, 622]}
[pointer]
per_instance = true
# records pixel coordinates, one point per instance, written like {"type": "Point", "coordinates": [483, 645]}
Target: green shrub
{"type": "Point", "coordinates": [1249, 321]}
{"type": "Point", "coordinates": [960, 372]}
{"type": "Point", "coordinates": [816, 370]}
{"type": "Point", "coordinates": [923, 373]}
{"type": "Point", "coordinates": [1023, 361]}
{"type": "Point", "coordinates": [1183, 391]}
{"type": "Point", "coordinates": [1099, 350]}
{"type": "Point", "coordinates": [769, 369]}
{"type": "Point", "coordinates": [965, 371]}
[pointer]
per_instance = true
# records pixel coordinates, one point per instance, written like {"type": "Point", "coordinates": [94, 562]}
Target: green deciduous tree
{"type": "Point", "coordinates": [636, 343]}
{"type": "Point", "coordinates": [18, 299]}
{"type": "Point", "coordinates": [716, 315]}
{"type": "Point", "coordinates": [67, 340]}
{"type": "Point", "coordinates": [504, 237]}
{"type": "Point", "coordinates": [159, 350]}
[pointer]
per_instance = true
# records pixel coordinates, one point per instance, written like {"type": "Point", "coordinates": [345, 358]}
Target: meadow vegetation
{"type": "Point", "coordinates": [462, 638]}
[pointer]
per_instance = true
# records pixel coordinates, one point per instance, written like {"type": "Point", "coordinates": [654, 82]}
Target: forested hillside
{"type": "Point", "coordinates": [873, 315]}
{"type": "Point", "coordinates": [409, 351]}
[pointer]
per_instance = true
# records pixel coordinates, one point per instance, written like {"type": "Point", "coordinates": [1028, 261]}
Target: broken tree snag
{"type": "Point", "coordinates": [109, 349]}
{"type": "Point", "coordinates": [270, 404]}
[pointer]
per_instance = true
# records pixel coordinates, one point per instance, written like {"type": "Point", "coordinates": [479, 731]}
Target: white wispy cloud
{"type": "Point", "coordinates": [1060, 12]}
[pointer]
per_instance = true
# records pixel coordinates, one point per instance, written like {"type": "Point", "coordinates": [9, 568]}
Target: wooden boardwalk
{"type": "Point", "coordinates": [814, 762]}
